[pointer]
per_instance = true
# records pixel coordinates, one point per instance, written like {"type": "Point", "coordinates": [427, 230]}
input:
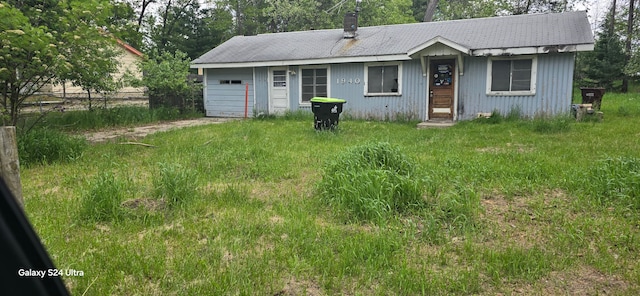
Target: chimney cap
{"type": "Point", "coordinates": [350, 24]}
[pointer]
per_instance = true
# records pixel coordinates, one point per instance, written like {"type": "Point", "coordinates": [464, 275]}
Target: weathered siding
{"type": "Point", "coordinates": [294, 89]}
{"type": "Point", "coordinates": [228, 100]}
{"type": "Point", "coordinates": [261, 90]}
{"type": "Point", "coordinates": [347, 82]}
{"type": "Point", "coordinates": [553, 89]}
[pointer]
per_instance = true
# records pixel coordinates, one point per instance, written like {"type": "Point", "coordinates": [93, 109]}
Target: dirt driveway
{"type": "Point", "coordinates": [135, 133]}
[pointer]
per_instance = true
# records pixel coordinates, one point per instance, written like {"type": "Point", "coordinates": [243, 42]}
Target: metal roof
{"type": "Point", "coordinates": [482, 36]}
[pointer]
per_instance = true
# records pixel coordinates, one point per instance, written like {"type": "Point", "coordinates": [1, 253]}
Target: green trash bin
{"type": "Point", "coordinates": [326, 112]}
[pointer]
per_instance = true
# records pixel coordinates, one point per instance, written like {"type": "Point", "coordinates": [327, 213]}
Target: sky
{"type": "Point", "coordinates": [596, 11]}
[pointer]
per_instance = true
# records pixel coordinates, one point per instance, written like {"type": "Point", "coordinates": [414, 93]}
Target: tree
{"type": "Point", "coordinates": [466, 9]}
{"type": "Point", "coordinates": [182, 25]}
{"type": "Point", "coordinates": [606, 62]}
{"type": "Point", "coordinates": [166, 77]}
{"type": "Point", "coordinates": [385, 12]}
{"type": "Point", "coordinates": [92, 55]}
{"type": "Point", "coordinates": [29, 55]}
{"type": "Point", "coordinates": [39, 46]}
{"type": "Point", "coordinates": [289, 15]}
{"type": "Point", "coordinates": [539, 6]}
{"type": "Point", "coordinates": [630, 26]}
{"type": "Point", "coordinates": [430, 11]}
{"type": "Point", "coordinates": [248, 15]}
{"type": "Point", "coordinates": [122, 24]}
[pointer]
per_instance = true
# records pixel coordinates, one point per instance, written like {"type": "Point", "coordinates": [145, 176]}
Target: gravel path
{"type": "Point", "coordinates": [136, 133]}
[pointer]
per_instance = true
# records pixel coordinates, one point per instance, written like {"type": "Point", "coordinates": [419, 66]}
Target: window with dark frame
{"type": "Point", "coordinates": [314, 84]}
{"type": "Point", "coordinates": [511, 75]}
{"type": "Point", "coordinates": [230, 81]}
{"type": "Point", "coordinates": [382, 79]}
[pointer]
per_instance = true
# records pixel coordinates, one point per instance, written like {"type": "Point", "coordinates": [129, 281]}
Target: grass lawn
{"type": "Point", "coordinates": [516, 207]}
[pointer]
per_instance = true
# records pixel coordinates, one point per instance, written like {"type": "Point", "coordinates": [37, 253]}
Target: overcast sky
{"type": "Point", "coordinates": [596, 10]}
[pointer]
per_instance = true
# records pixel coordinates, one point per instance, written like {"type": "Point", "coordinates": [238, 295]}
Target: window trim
{"type": "Point", "coordinates": [327, 67]}
{"type": "Point", "coordinates": [366, 79]}
{"type": "Point", "coordinates": [532, 86]}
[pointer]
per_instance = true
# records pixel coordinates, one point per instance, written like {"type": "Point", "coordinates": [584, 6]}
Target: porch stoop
{"type": "Point", "coordinates": [435, 124]}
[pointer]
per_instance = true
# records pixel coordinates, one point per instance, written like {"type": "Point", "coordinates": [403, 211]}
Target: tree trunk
{"type": "Point", "coordinates": [431, 10]}
{"type": "Point", "coordinates": [9, 164]}
{"type": "Point", "coordinates": [145, 3]}
{"type": "Point", "coordinates": [14, 101]}
{"type": "Point", "coordinates": [625, 80]}
{"type": "Point", "coordinates": [613, 18]}
{"type": "Point", "coordinates": [89, 97]}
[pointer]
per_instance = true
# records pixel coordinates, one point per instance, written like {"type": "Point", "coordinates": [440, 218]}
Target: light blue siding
{"type": "Point", "coordinates": [294, 89]}
{"type": "Point", "coordinates": [228, 100]}
{"type": "Point", "coordinates": [553, 89]}
{"type": "Point", "coordinates": [347, 82]}
{"type": "Point", "coordinates": [262, 90]}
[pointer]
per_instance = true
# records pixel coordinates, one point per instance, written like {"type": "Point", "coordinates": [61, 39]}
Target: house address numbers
{"type": "Point", "coordinates": [348, 81]}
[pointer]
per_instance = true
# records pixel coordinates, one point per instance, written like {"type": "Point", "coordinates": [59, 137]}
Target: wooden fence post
{"type": "Point", "coordinates": [9, 164]}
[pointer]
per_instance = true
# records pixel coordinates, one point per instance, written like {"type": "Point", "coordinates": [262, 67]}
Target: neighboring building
{"type": "Point", "coordinates": [128, 61]}
{"type": "Point", "coordinates": [451, 70]}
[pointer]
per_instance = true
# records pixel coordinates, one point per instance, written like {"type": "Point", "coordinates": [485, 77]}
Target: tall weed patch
{"type": "Point", "coordinates": [615, 180]}
{"type": "Point", "coordinates": [102, 200]}
{"type": "Point", "coordinates": [371, 182]}
{"type": "Point", "coordinates": [111, 117]}
{"type": "Point", "coordinates": [175, 184]}
{"type": "Point", "coordinates": [552, 125]}
{"type": "Point", "coordinates": [44, 146]}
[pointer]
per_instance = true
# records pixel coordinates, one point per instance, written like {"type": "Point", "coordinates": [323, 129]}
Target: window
{"type": "Point", "coordinates": [230, 81]}
{"type": "Point", "coordinates": [280, 78]}
{"type": "Point", "coordinates": [511, 76]}
{"type": "Point", "coordinates": [383, 79]}
{"type": "Point", "coordinates": [314, 84]}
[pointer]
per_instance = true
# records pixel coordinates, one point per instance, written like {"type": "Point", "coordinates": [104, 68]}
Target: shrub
{"type": "Point", "coordinates": [370, 182]}
{"type": "Point", "coordinates": [174, 184]}
{"type": "Point", "coordinates": [103, 198]}
{"type": "Point", "coordinates": [44, 146]}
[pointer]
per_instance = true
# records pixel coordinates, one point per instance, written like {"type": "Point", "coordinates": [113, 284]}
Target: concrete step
{"type": "Point", "coordinates": [435, 124]}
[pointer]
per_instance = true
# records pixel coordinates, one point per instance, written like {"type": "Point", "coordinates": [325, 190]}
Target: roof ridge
{"type": "Point", "coordinates": [422, 23]}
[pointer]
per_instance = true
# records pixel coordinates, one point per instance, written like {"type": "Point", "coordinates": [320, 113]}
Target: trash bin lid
{"type": "Point", "coordinates": [327, 100]}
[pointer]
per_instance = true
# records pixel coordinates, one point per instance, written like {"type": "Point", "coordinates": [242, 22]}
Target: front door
{"type": "Point", "coordinates": [441, 89]}
{"type": "Point", "coordinates": [278, 98]}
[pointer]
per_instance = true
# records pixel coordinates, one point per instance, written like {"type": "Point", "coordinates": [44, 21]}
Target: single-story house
{"type": "Point", "coordinates": [450, 70]}
{"type": "Point", "coordinates": [128, 59]}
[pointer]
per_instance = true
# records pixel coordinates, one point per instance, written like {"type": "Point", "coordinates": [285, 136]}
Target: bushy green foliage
{"type": "Point", "coordinates": [605, 63]}
{"type": "Point", "coordinates": [174, 183]}
{"type": "Point", "coordinates": [43, 146]}
{"type": "Point", "coordinates": [615, 180]}
{"type": "Point", "coordinates": [371, 181]}
{"type": "Point", "coordinates": [102, 200]}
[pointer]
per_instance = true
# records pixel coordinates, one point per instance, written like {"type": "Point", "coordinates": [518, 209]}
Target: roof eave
{"type": "Point", "coordinates": [532, 50]}
{"type": "Point", "coordinates": [332, 60]}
